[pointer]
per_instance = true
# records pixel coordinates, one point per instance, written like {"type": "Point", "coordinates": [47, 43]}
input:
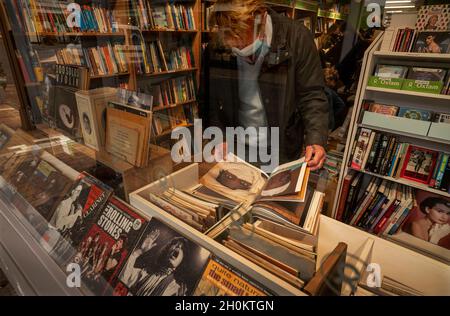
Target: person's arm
{"type": "Point", "coordinates": [312, 101]}
{"type": "Point", "coordinates": [130, 274]}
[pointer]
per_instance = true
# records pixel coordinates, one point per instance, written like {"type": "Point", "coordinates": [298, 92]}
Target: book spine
{"type": "Point", "coordinates": [441, 171]}
{"type": "Point", "coordinates": [379, 227]}
{"type": "Point", "coordinates": [381, 154]}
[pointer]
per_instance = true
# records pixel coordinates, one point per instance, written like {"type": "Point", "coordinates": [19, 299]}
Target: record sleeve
{"type": "Point", "coordinates": [75, 214]}
{"type": "Point", "coordinates": [105, 248]}
{"type": "Point", "coordinates": [65, 111]}
{"type": "Point", "coordinates": [163, 263]}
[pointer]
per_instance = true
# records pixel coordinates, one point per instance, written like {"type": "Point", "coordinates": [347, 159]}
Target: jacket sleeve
{"type": "Point", "coordinates": [311, 99]}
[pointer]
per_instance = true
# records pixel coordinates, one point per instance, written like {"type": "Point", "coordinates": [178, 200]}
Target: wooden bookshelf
{"type": "Point", "coordinates": [170, 72]}
{"type": "Point", "coordinates": [77, 34]}
{"type": "Point", "coordinates": [109, 75]}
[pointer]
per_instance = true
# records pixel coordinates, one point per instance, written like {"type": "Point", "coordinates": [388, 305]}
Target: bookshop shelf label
{"type": "Point", "coordinates": [422, 86]}
{"type": "Point", "coordinates": [389, 83]}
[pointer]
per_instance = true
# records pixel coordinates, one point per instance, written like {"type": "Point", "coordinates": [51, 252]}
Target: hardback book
{"type": "Point", "coordinates": [419, 164]}
{"type": "Point", "coordinates": [92, 114]}
{"type": "Point", "coordinates": [255, 246]}
{"type": "Point", "coordinates": [433, 18]}
{"type": "Point", "coordinates": [75, 214]}
{"type": "Point", "coordinates": [163, 263]}
{"type": "Point", "coordinates": [432, 42]}
{"type": "Point", "coordinates": [128, 133]}
{"type": "Point", "coordinates": [221, 279]}
{"type": "Point", "coordinates": [427, 74]}
{"type": "Point", "coordinates": [385, 109]}
{"type": "Point", "coordinates": [415, 114]}
{"type": "Point", "coordinates": [107, 244]}
{"type": "Point", "coordinates": [391, 71]}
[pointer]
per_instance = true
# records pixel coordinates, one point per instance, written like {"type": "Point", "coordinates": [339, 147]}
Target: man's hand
{"type": "Point", "coordinates": [315, 156]}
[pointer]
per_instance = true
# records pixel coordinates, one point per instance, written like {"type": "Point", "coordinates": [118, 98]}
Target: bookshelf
{"type": "Point", "coordinates": [403, 134]}
{"type": "Point", "coordinates": [131, 24]}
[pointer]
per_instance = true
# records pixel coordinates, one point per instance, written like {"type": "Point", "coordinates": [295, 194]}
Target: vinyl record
{"type": "Point", "coordinates": [66, 116]}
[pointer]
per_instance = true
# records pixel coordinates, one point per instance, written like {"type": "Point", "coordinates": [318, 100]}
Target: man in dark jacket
{"type": "Point", "coordinates": [264, 71]}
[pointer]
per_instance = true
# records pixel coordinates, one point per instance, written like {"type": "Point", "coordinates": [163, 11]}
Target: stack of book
{"type": "Point", "coordinates": [385, 155]}
{"type": "Point", "coordinates": [172, 17]}
{"type": "Point", "coordinates": [282, 213]}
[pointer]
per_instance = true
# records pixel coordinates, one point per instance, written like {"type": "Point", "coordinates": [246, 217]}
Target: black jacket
{"type": "Point", "coordinates": [291, 85]}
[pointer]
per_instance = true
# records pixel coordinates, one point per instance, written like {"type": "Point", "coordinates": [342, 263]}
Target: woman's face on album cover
{"type": "Point", "coordinates": [438, 214]}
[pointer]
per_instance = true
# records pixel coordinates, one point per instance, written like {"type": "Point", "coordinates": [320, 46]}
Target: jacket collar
{"type": "Point", "coordinates": [280, 31]}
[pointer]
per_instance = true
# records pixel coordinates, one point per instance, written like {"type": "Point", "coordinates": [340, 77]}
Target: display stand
{"type": "Point", "coordinates": [424, 134]}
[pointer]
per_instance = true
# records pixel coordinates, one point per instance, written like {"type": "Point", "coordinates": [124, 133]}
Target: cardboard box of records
{"type": "Point", "coordinates": [271, 221]}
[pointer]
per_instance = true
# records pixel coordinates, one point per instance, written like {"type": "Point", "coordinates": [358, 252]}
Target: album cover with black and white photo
{"type": "Point", "coordinates": [65, 110]}
{"type": "Point", "coordinates": [163, 263]}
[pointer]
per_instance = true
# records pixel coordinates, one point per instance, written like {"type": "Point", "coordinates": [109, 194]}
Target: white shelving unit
{"type": "Point", "coordinates": [402, 98]}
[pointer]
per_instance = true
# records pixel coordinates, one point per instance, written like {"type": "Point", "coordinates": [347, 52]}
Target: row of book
{"type": "Point", "coordinates": [206, 13]}
{"type": "Point", "coordinates": [166, 17]}
{"type": "Point", "coordinates": [430, 34]}
{"type": "Point", "coordinates": [80, 220]}
{"type": "Point", "coordinates": [101, 60]}
{"type": "Point", "coordinates": [430, 75]}
{"type": "Point", "coordinates": [174, 91]}
{"type": "Point", "coordinates": [386, 155]}
{"type": "Point", "coordinates": [410, 113]}
{"type": "Point", "coordinates": [155, 59]}
{"type": "Point", "coordinates": [58, 17]}
{"type": "Point", "coordinates": [410, 40]}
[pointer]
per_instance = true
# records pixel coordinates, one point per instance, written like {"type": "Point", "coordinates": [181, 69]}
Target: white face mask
{"type": "Point", "coordinates": [249, 50]}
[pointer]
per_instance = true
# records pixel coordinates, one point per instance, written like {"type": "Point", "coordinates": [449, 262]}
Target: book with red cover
{"type": "Point", "coordinates": [107, 245]}
{"type": "Point", "coordinates": [419, 164]}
